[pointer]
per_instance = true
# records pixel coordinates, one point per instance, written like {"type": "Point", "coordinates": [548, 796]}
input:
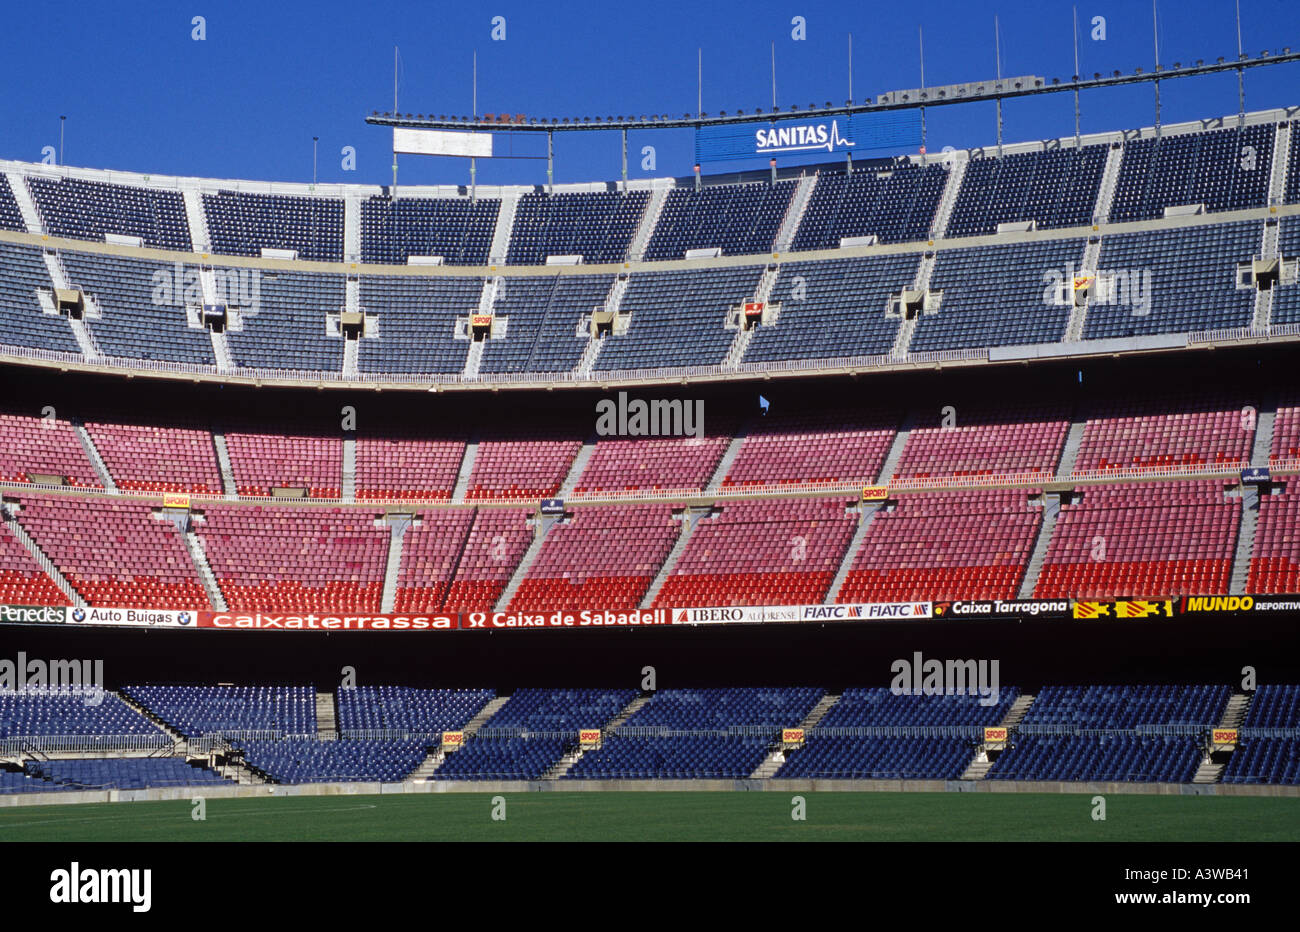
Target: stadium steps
{"type": "Point", "coordinates": [424, 773]}
{"type": "Point", "coordinates": [740, 342]}
{"type": "Point", "coordinates": [895, 454]}
{"type": "Point", "coordinates": [243, 774]}
{"type": "Point", "coordinates": [1070, 450]}
{"type": "Point", "coordinates": [352, 229]}
{"type": "Point", "coordinates": [92, 454]}
{"type": "Point", "coordinates": [26, 204]}
{"type": "Point", "coordinates": [484, 714]}
{"type": "Point", "coordinates": [1208, 771]}
{"type": "Point", "coordinates": [794, 213]}
{"type": "Point", "coordinates": [907, 326]}
{"type": "Point", "coordinates": [521, 571]}
{"type": "Point", "coordinates": [1268, 249]}
{"type": "Point", "coordinates": [1234, 713]}
{"type": "Point", "coordinates": [80, 332]}
{"type": "Point", "coordinates": [979, 767]}
{"type": "Point", "coordinates": [1245, 540]}
{"type": "Point", "coordinates": [868, 512]}
{"type": "Point", "coordinates": [466, 469]}
{"type": "Point", "coordinates": [613, 303]}
{"type": "Point", "coordinates": [1282, 143]}
{"type": "Point", "coordinates": [1079, 313]}
{"type": "Point", "coordinates": [182, 745]}
{"type": "Point", "coordinates": [221, 351]}
{"type": "Point", "coordinates": [1109, 183]}
{"type": "Point", "coordinates": [565, 763]}
{"type": "Point", "coordinates": [397, 528]}
{"type": "Point", "coordinates": [1051, 511]}
{"type": "Point", "coordinates": [649, 220]}
{"type": "Point", "coordinates": [772, 763]}
{"type": "Point", "coordinates": [194, 544]}
{"type": "Point", "coordinates": [688, 520]}
{"type": "Point", "coordinates": [200, 240]}
{"type": "Point", "coordinates": [350, 465]}
{"type": "Point", "coordinates": [223, 460]}
{"type": "Point", "coordinates": [1016, 714]}
{"type": "Point", "coordinates": [579, 465]}
{"type": "Point", "coordinates": [500, 247]}
{"type": "Point", "coordinates": [41, 559]}
{"type": "Point", "coordinates": [326, 717]}
{"type": "Point", "coordinates": [943, 213]}
{"type": "Point", "coordinates": [729, 457]}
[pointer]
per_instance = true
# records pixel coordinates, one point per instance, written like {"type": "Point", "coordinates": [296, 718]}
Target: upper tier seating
{"type": "Point", "coordinates": [769, 552]}
{"type": "Point", "coordinates": [620, 464]}
{"type": "Point", "coordinates": [284, 328]}
{"type": "Point", "coordinates": [285, 559]}
{"type": "Point", "coordinates": [739, 219]}
{"type": "Point", "coordinates": [404, 462]}
{"type": "Point", "coordinates": [1286, 298]}
{"type": "Point", "coordinates": [678, 318]}
{"type": "Point", "coordinates": [431, 551]}
{"type": "Point", "coordinates": [142, 308]}
{"type": "Point", "coordinates": [1054, 187]}
{"type": "Point", "coordinates": [1154, 540]}
{"type": "Point", "coordinates": [1127, 706]}
{"type": "Point", "coordinates": [496, 543]}
{"type": "Point", "coordinates": [243, 224]}
{"type": "Point", "coordinates": [416, 317]}
{"type": "Point", "coordinates": [869, 706]}
{"type": "Point", "coordinates": [604, 558]}
{"type": "Point", "coordinates": [595, 225]}
{"type": "Point", "coordinates": [1286, 431]}
{"type": "Point", "coordinates": [997, 296]}
{"type": "Point", "coordinates": [455, 228]}
{"type": "Point", "coordinates": [895, 201]}
{"type": "Point", "coordinates": [1174, 281]}
{"type": "Point", "coordinates": [22, 322]}
{"type": "Point", "coordinates": [1274, 706]}
{"type": "Point", "coordinates": [522, 462]}
{"type": "Point", "coordinates": [543, 322]}
{"type": "Point", "coordinates": [1226, 169]}
{"type": "Point", "coordinates": [945, 546]}
{"type": "Point", "coordinates": [834, 308]}
{"type": "Point", "coordinates": [11, 217]}
{"type": "Point", "coordinates": [80, 209]}
{"type": "Point", "coordinates": [115, 553]}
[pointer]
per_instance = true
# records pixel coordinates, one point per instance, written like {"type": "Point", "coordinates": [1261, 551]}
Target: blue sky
{"type": "Point", "coordinates": [141, 94]}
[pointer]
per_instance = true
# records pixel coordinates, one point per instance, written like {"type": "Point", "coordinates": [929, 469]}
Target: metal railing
{"type": "Point", "coordinates": [60, 743]}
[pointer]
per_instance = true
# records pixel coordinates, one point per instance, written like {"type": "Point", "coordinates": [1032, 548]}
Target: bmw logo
{"type": "Point", "coordinates": [78, 614]}
{"type": "Point", "coordinates": [183, 618]}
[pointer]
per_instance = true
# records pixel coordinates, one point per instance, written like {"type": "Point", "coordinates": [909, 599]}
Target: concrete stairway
{"type": "Point", "coordinates": [182, 745]}
{"type": "Point", "coordinates": [88, 445]}
{"type": "Point", "coordinates": [649, 220]}
{"type": "Point", "coordinates": [1109, 183]}
{"type": "Point", "coordinates": [1079, 313]}
{"type": "Point", "coordinates": [197, 220]}
{"type": "Point", "coordinates": [794, 213]}
{"type": "Point", "coordinates": [628, 711]}
{"type": "Point", "coordinates": [1070, 451]}
{"type": "Point", "coordinates": [1051, 511]}
{"type": "Point", "coordinates": [728, 457]}
{"type": "Point", "coordinates": [666, 568]}
{"type": "Point", "coordinates": [1016, 713]}
{"type": "Point", "coordinates": [846, 561]}
{"type": "Point", "coordinates": [895, 454]}
{"type": "Point", "coordinates": [772, 763]}
{"type": "Point", "coordinates": [565, 763]}
{"type": "Point", "coordinates": [484, 714]}
{"type": "Point", "coordinates": [1245, 540]}
{"type": "Point", "coordinates": [466, 469]}
{"type": "Point", "coordinates": [352, 228]}
{"type": "Point", "coordinates": [577, 468]}
{"type": "Point", "coordinates": [350, 463]}
{"type": "Point", "coordinates": [326, 717]}
{"type": "Point", "coordinates": [398, 526]}
{"type": "Point", "coordinates": [1234, 713]}
{"type": "Point", "coordinates": [956, 174]}
{"type": "Point", "coordinates": [521, 571]}
{"type": "Point", "coordinates": [223, 460]}
{"type": "Point", "coordinates": [41, 559]}
{"type": "Point", "coordinates": [26, 204]}
{"type": "Point", "coordinates": [1282, 144]}
{"type": "Point", "coordinates": [980, 765]}
{"type": "Point", "coordinates": [200, 557]}
{"type": "Point", "coordinates": [500, 247]}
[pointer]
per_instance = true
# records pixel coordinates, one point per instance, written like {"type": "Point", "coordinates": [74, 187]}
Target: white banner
{"type": "Point", "coordinates": [438, 142]}
{"type": "Point", "coordinates": [145, 617]}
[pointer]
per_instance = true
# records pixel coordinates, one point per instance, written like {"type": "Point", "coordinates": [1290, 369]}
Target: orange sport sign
{"type": "Point", "coordinates": [176, 500]}
{"type": "Point", "coordinates": [1224, 737]}
{"type": "Point", "coordinates": [792, 737]}
{"type": "Point", "coordinates": [480, 320]}
{"type": "Point", "coordinates": [995, 735]}
{"type": "Point", "coordinates": [875, 493]}
{"type": "Point", "coordinates": [589, 738]}
{"type": "Point", "coordinates": [451, 740]}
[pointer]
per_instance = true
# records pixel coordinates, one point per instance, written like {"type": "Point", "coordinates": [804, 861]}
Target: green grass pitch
{"type": "Point", "coordinates": [652, 816]}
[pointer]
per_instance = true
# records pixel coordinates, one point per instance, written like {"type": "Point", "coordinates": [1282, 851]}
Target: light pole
{"type": "Point", "coordinates": [314, 141]}
{"type": "Point", "coordinates": [62, 120]}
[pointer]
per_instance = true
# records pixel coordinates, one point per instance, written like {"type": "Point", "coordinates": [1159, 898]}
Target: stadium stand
{"type": "Point", "coordinates": [595, 225]}
{"type": "Point", "coordinates": [739, 219]}
{"type": "Point", "coordinates": [23, 323]}
{"type": "Point", "coordinates": [402, 462]}
{"type": "Point", "coordinates": [827, 446]}
{"type": "Point", "coordinates": [80, 209]}
{"type": "Point", "coordinates": [157, 457]}
{"type": "Point", "coordinates": [1194, 431]}
{"type": "Point", "coordinates": [283, 325]}
{"type": "Point", "coordinates": [1054, 188]}
{"type": "Point", "coordinates": [459, 230]}
{"type": "Point", "coordinates": [623, 464]}
{"type": "Point", "coordinates": [195, 711]}
{"type": "Point", "coordinates": [892, 200]}
{"type": "Point", "coordinates": [114, 553]}
{"type": "Point", "coordinates": [767, 552]}
{"type": "Point", "coordinates": [67, 713]}
{"type": "Point", "coordinates": [10, 217]}
{"type": "Point", "coordinates": [496, 543]}
{"type": "Point", "coordinates": [977, 440]}
{"type": "Point", "coordinates": [243, 224]}
{"type": "Point", "coordinates": [544, 319]}
{"type": "Point", "coordinates": [275, 558]}
{"type": "Point", "coordinates": [310, 761]}
{"type": "Point", "coordinates": [22, 581]}
{"type": "Point", "coordinates": [43, 446]}
{"type": "Point", "coordinates": [601, 558]}
{"type": "Point", "coordinates": [262, 461]}
{"type": "Point", "coordinates": [416, 321]}
{"type": "Point", "coordinates": [522, 462]}
{"type": "Point", "coordinates": [129, 773]}
{"type": "Point", "coordinates": [1156, 540]}
{"type": "Point", "coordinates": [1275, 559]}
{"type": "Point", "coordinates": [422, 711]}
{"type": "Point", "coordinates": [945, 546]}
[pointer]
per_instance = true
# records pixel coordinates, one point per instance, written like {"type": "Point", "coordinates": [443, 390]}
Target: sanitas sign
{"type": "Point", "coordinates": [804, 137]}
